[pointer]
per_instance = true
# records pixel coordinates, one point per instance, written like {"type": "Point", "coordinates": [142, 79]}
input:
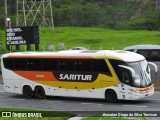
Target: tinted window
{"type": "Point", "coordinates": [8, 63]}
{"type": "Point", "coordinates": [33, 64]}
{"type": "Point", "coordinates": [78, 65]}
{"type": "Point", "coordinates": [155, 55]}
{"type": "Point", "coordinates": [103, 66]}
{"type": "Point", "coordinates": [150, 55]}
{"type": "Point", "coordinates": [20, 64]}
{"type": "Point", "coordinates": [49, 64]}
{"type": "Point", "coordinates": [123, 75]}
{"type": "Point", "coordinates": [84, 65]}
{"type": "Point", "coordinates": [145, 53]}
{"type": "Point", "coordinates": [95, 65]}
{"type": "Point", "coordinates": [65, 64]}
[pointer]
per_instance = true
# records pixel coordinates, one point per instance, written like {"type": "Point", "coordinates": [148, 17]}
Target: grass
{"type": "Point", "coordinates": [93, 38]}
{"type": "Point", "coordinates": [47, 114]}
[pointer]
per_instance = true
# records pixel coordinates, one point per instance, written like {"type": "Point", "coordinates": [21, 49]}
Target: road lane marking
{"type": "Point", "coordinates": [86, 103]}
{"type": "Point", "coordinates": [90, 104]}
{"type": "Point", "coordinates": [141, 106]}
{"type": "Point", "coordinates": [50, 101]}
{"type": "Point", "coordinates": [15, 99]}
{"type": "Point", "coordinates": [133, 106]}
{"type": "Point", "coordinates": [1, 91]}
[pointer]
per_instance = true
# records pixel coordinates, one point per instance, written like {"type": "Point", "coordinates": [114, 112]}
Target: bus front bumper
{"type": "Point", "coordinates": [143, 94]}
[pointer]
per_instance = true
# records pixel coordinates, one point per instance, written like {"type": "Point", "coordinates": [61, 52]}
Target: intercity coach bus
{"type": "Point", "coordinates": [108, 74]}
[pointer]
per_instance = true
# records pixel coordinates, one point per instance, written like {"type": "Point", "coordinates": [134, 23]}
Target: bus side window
{"type": "Point", "coordinates": [61, 65]}
{"type": "Point", "coordinates": [155, 55]}
{"type": "Point", "coordinates": [125, 77]}
{"type": "Point", "coordinates": [145, 53]}
{"type": "Point", "coordinates": [20, 64]}
{"type": "Point", "coordinates": [151, 55]}
{"type": "Point", "coordinates": [78, 66]}
{"type": "Point", "coordinates": [65, 64]}
{"type": "Point", "coordinates": [9, 63]}
{"type": "Point", "coordinates": [69, 65]}
{"type": "Point", "coordinates": [87, 65]}
{"type": "Point", "coordinates": [103, 67]}
{"type": "Point", "coordinates": [116, 68]}
{"type": "Point", "coordinates": [95, 65]}
{"type": "Point", "coordinates": [83, 65]}
{"type": "Point", "coordinates": [49, 64]}
{"type": "Point", "coordinates": [34, 64]}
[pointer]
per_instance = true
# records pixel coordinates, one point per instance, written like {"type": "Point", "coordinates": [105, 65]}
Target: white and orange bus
{"type": "Point", "coordinates": [78, 73]}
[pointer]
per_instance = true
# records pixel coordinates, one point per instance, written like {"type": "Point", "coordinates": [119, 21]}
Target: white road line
{"type": "Point", "coordinates": [15, 99]}
{"type": "Point", "coordinates": [90, 104]}
{"type": "Point", "coordinates": [133, 106]}
{"type": "Point", "coordinates": [87, 103]}
{"type": "Point", "coordinates": [1, 91]}
{"type": "Point", "coordinates": [141, 106]}
{"type": "Point", "coordinates": [128, 105]}
{"type": "Point", "coordinates": [99, 104]}
{"type": "Point", "coordinates": [50, 101]}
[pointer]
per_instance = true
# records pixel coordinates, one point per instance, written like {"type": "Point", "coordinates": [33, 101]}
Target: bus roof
{"type": "Point", "coordinates": [109, 54]}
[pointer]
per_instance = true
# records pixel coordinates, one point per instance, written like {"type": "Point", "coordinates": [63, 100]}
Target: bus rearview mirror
{"type": "Point", "coordinates": [130, 69]}
{"type": "Point", "coordinates": [154, 65]}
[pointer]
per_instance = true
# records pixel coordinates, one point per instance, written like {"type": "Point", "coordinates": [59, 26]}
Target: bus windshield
{"type": "Point", "coordinates": [142, 74]}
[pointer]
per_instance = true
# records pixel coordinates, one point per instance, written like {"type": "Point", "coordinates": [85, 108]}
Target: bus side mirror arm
{"type": "Point", "coordinates": [130, 69]}
{"type": "Point", "coordinates": [154, 65]}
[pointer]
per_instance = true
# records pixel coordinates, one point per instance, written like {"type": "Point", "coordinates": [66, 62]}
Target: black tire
{"type": "Point", "coordinates": [27, 92]}
{"type": "Point", "coordinates": [111, 96]}
{"type": "Point", "coordinates": [40, 93]}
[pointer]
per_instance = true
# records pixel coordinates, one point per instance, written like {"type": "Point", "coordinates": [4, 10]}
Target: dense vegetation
{"type": "Point", "coordinates": [114, 14]}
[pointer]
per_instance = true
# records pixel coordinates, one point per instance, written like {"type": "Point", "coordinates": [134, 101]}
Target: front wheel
{"type": "Point", "coordinates": [111, 96]}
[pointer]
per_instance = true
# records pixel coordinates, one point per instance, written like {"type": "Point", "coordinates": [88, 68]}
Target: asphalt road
{"type": "Point", "coordinates": [79, 106]}
{"type": "Point", "coordinates": [8, 100]}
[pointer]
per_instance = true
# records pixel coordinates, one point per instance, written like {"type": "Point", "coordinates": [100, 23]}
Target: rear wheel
{"type": "Point", "coordinates": [27, 92]}
{"type": "Point", "coordinates": [40, 93]}
{"type": "Point", "coordinates": [111, 96]}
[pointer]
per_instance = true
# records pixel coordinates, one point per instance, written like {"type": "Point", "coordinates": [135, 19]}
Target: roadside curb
{"type": "Point", "coordinates": [75, 118]}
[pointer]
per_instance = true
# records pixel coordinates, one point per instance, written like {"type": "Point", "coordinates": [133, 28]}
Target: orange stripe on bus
{"type": "Point", "coordinates": [37, 75]}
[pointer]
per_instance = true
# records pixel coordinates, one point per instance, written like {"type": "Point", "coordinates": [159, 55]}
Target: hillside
{"type": "Point", "coordinates": [114, 14]}
{"type": "Point", "coordinates": [96, 24]}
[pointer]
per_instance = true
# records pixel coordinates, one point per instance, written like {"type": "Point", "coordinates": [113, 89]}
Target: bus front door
{"type": "Point", "coordinates": [125, 88]}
